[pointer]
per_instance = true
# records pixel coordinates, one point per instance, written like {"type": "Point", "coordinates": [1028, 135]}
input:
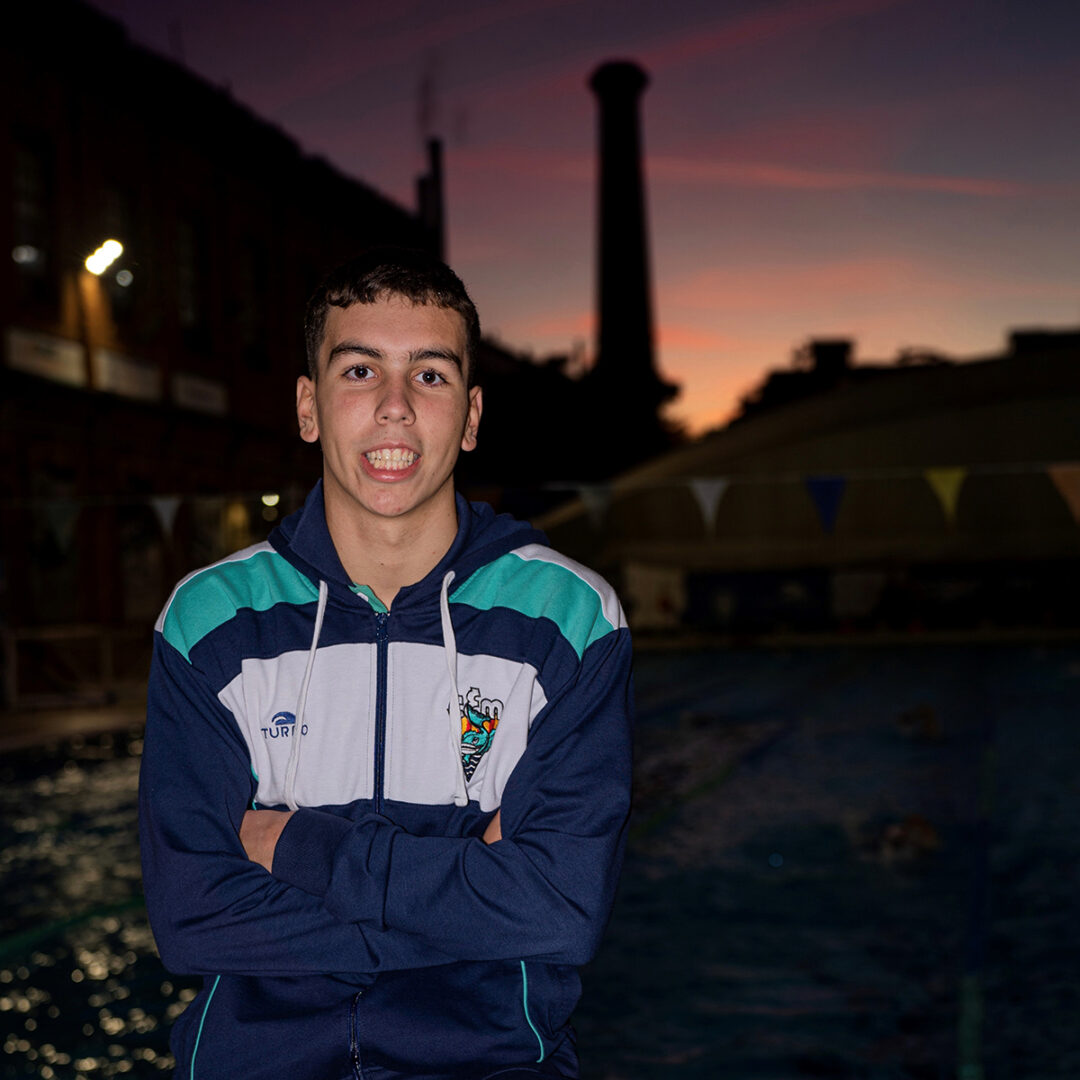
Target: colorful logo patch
{"type": "Point", "coordinates": [479, 719]}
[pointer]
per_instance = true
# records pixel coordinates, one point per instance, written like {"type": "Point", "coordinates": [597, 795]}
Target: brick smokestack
{"type": "Point", "coordinates": [625, 346]}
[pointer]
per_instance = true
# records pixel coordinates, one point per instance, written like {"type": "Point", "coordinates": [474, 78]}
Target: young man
{"type": "Point", "coordinates": [386, 771]}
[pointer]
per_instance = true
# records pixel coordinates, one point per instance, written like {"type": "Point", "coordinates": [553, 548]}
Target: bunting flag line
{"type": "Point", "coordinates": [826, 493]}
{"type": "Point", "coordinates": [596, 498]}
{"type": "Point", "coordinates": [947, 482]}
{"type": "Point", "coordinates": [825, 490]}
{"type": "Point", "coordinates": [1066, 478]}
{"type": "Point", "coordinates": [708, 491]}
{"type": "Point", "coordinates": [165, 507]}
{"type": "Point", "coordinates": [62, 516]}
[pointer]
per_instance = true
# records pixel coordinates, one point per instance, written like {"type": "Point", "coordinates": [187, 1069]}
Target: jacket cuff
{"type": "Point", "coordinates": [305, 851]}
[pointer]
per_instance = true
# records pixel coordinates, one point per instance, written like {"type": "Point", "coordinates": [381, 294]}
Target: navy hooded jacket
{"type": "Point", "coordinates": [389, 941]}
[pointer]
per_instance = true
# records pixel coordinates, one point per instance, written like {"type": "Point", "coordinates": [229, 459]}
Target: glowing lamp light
{"type": "Point", "coordinates": [271, 499]}
{"type": "Point", "coordinates": [104, 257]}
{"type": "Point", "coordinates": [25, 254]}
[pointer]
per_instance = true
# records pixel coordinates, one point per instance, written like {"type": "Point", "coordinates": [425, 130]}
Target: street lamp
{"type": "Point", "coordinates": [104, 257]}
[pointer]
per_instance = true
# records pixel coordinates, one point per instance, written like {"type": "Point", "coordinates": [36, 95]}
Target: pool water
{"type": "Point", "coordinates": [842, 863]}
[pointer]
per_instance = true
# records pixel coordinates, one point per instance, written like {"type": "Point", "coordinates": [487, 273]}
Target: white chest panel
{"type": "Point", "coordinates": [338, 745]}
{"type": "Point", "coordinates": [499, 700]}
{"type": "Point", "coordinates": [423, 747]}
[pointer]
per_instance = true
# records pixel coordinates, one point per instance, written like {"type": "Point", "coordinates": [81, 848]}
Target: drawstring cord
{"type": "Point", "coordinates": [301, 705]}
{"type": "Point", "coordinates": [461, 795]}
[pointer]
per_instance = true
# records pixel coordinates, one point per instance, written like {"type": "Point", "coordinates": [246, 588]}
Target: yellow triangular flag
{"type": "Point", "coordinates": [1066, 478]}
{"type": "Point", "coordinates": [946, 483]}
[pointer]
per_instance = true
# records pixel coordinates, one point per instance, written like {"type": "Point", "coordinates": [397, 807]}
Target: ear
{"type": "Point", "coordinates": [472, 418]}
{"type": "Point", "coordinates": [306, 413]}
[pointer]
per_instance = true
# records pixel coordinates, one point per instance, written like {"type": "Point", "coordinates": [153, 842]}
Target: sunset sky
{"type": "Point", "coordinates": [903, 172]}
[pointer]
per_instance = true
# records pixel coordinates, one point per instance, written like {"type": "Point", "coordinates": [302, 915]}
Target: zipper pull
{"type": "Point", "coordinates": [381, 618]}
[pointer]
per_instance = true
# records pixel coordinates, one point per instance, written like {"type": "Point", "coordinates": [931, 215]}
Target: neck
{"type": "Point", "coordinates": [386, 554]}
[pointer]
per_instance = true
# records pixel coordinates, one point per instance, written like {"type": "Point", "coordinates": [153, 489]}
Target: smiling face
{"type": "Point", "coordinates": [392, 411]}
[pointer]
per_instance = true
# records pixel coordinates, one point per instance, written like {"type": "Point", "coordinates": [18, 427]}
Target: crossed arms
{"type": "Point", "coordinates": [260, 830]}
{"type": "Point", "coordinates": [362, 895]}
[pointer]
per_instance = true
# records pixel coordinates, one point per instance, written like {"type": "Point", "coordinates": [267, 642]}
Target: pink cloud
{"type": "Point", "coordinates": [725, 35]}
{"type": "Point", "coordinates": [773, 175]}
{"type": "Point", "coordinates": [843, 283]}
{"type": "Point", "coordinates": [578, 168]}
{"type": "Point", "coordinates": [524, 160]}
{"type": "Point", "coordinates": [733, 172]}
{"type": "Point", "coordinates": [758, 26]}
{"type": "Point", "coordinates": [320, 63]}
{"type": "Point", "coordinates": [566, 326]}
{"type": "Point", "coordinates": [846, 137]}
{"type": "Point", "coordinates": [685, 338]}
{"type": "Point", "coordinates": [471, 246]}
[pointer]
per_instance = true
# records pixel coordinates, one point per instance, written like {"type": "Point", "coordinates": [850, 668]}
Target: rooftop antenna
{"type": "Point", "coordinates": [429, 185]}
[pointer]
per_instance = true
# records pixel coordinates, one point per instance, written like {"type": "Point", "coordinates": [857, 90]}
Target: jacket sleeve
{"type": "Point", "coordinates": [210, 908]}
{"type": "Point", "coordinates": [546, 889]}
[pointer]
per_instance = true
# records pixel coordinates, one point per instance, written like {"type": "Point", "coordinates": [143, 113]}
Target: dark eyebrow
{"type": "Point", "coordinates": [353, 347]}
{"type": "Point", "coordinates": [438, 354]}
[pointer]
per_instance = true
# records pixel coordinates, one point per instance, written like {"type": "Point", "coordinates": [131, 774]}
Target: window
{"type": "Point", "coordinates": [190, 286]}
{"type": "Point", "coordinates": [33, 213]}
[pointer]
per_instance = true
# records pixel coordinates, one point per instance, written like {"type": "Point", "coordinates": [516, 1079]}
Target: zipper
{"type": "Point", "coordinates": [382, 637]}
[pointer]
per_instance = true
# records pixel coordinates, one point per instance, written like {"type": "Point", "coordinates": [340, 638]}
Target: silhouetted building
{"type": "Point", "coordinates": [145, 409]}
{"type": "Point", "coordinates": [144, 424]}
{"type": "Point", "coordinates": [923, 494]}
{"type": "Point", "coordinates": [820, 366]}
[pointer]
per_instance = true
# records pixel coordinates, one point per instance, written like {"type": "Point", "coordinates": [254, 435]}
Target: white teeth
{"type": "Point", "coordinates": [391, 459]}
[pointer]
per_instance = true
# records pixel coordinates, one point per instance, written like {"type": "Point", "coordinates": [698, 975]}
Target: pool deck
{"type": "Point", "coordinates": [843, 861]}
{"type": "Point", "coordinates": [26, 728]}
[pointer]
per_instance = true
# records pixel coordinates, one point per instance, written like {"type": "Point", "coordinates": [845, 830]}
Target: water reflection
{"type": "Point", "coordinates": [842, 862]}
{"type": "Point", "coordinates": [82, 991]}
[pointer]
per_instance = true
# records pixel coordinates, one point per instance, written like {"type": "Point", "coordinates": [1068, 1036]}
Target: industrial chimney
{"type": "Point", "coordinates": [625, 346]}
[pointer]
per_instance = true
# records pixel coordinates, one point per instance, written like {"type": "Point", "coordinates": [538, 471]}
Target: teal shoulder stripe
{"type": "Point", "coordinates": [537, 582]}
{"type": "Point", "coordinates": [256, 579]}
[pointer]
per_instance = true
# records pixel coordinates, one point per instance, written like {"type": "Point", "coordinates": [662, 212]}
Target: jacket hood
{"type": "Point", "coordinates": [482, 536]}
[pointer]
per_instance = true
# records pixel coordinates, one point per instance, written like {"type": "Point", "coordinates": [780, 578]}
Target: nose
{"type": "Point", "coordinates": [395, 406]}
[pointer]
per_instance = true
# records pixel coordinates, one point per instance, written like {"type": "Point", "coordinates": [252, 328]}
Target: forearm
{"type": "Point", "coordinates": [212, 910]}
{"type": "Point", "coordinates": [260, 831]}
{"type": "Point", "coordinates": [545, 889]}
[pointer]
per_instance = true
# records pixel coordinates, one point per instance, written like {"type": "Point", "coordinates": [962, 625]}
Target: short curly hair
{"type": "Point", "coordinates": [381, 272]}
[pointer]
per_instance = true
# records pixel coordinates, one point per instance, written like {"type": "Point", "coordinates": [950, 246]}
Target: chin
{"type": "Point", "coordinates": [390, 507]}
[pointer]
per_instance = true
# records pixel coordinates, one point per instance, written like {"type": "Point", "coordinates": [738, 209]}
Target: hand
{"type": "Point", "coordinates": [259, 833]}
{"type": "Point", "coordinates": [493, 832]}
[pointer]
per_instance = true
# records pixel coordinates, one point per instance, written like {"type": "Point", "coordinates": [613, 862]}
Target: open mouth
{"type": "Point", "coordinates": [391, 460]}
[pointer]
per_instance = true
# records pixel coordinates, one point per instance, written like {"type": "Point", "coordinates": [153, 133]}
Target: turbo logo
{"type": "Point", "coordinates": [282, 725]}
{"type": "Point", "coordinates": [479, 719]}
